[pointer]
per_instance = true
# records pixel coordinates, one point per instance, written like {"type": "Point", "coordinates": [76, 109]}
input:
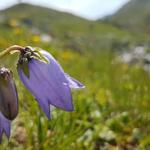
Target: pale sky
{"type": "Point", "coordinates": [90, 9]}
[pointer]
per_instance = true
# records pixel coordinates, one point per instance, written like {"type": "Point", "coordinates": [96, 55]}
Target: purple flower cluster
{"type": "Point", "coordinates": [42, 75]}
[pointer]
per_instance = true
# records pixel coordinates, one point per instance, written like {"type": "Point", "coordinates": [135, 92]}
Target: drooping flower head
{"type": "Point", "coordinates": [8, 101]}
{"type": "Point", "coordinates": [8, 94]}
{"type": "Point", "coordinates": [45, 79]}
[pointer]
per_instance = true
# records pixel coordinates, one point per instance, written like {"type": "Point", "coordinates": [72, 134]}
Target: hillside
{"type": "Point", "coordinates": [66, 30]}
{"type": "Point", "coordinates": [134, 15]}
{"type": "Point", "coordinates": [40, 17]}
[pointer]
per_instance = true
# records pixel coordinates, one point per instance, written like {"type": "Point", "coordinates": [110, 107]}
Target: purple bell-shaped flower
{"type": "Point", "coordinates": [8, 101]}
{"type": "Point", "coordinates": [45, 79]}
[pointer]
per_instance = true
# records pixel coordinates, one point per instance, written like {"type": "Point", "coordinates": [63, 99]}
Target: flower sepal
{"type": "Point", "coordinates": [24, 66]}
{"type": "Point", "coordinates": [38, 55]}
{"type": "Point", "coordinates": [28, 54]}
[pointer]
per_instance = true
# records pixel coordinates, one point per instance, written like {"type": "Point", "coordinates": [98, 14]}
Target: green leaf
{"type": "Point", "coordinates": [25, 67]}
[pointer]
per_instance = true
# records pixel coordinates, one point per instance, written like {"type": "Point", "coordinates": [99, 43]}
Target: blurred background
{"type": "Point", "coordinates": [103, 44]}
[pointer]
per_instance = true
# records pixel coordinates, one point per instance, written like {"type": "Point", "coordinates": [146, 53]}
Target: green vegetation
{"type": "Point", "coordinates": [68, 31]}
{"type": "Point", "coordinates": [111, 112]}
{"type": "Point", "coordinates": [135, 15]}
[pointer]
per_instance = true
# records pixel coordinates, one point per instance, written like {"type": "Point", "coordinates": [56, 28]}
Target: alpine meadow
{"type": "Point", "coordinates": [110, 56]}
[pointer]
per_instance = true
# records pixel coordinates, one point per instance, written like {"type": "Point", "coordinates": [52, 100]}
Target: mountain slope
{"type": "Point", "coordinates": [67, 31]}
{"type": "Point", "coordinates": [134, 15]}
{"type": "Point", "coordinates": [39, 16]}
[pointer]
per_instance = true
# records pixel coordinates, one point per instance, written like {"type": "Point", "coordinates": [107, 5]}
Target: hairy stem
{"type": "Point", "coordinates": [11, 49]}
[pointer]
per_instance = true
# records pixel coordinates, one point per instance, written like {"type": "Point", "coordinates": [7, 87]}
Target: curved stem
{"type": "Point", "coordinates": [11, 49]}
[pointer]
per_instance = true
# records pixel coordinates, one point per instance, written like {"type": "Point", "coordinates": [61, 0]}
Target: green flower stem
{"type": "Point", "coordinates": [11, 49]}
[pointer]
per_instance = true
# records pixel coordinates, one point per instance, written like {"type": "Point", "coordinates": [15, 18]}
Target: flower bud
{"type": "Point", "coordinates": [8, 94]}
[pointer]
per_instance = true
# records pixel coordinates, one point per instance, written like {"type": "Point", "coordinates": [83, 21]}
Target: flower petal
{"type": "Point", "coordinates": [36, 88]}
{"type": "Point", "coordinates": [73, 83]}
{"type": "Point", "coordinates": [4, 126]}
{"type": "Point", "coordinates": [54, 82]}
